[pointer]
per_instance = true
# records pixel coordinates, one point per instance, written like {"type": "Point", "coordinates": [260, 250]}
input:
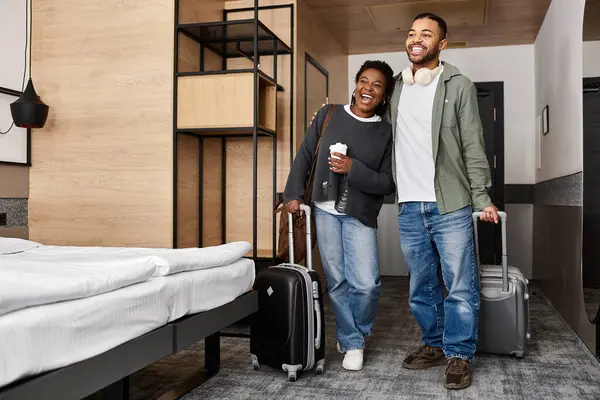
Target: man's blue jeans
{"type": "Point", "coordinates": [351, 265]}
{"type": "Point", "coordinates": [430, 240]}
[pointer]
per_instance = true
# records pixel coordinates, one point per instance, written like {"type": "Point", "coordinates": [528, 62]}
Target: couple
{"type": "Point", "coordinates": [418, 135]}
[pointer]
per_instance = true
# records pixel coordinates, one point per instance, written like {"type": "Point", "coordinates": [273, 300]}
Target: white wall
{"type": "Point", "coordinates": [591, 59]}
{"type": "Point", "coordinates": [12, 43]}
{"type": "Point", "coordinates": [558, 76]}
{"type": "Point", "coordinates": [514, 65]}
{"type": "Point", "coordinates": [13, 145]}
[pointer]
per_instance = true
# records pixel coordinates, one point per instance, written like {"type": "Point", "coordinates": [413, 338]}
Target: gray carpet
{"type": "Point", "coordinates": [558, 366]}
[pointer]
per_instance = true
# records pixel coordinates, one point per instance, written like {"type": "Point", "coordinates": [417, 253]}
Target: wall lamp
{"type": "Point", "coordinates": [29, 111]}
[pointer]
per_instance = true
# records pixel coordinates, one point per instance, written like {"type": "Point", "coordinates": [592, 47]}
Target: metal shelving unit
{"type": "Point", "coordinates": [245, 38]}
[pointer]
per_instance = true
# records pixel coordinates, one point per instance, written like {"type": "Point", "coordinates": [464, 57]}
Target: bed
{"type": "Point", "coordinates": [119, 310]}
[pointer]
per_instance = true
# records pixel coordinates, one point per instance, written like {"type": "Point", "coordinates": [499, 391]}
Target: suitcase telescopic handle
{"type": "Point", "coordinates": [502, 215]}
{"type": "Point", "coordinates": [307, 213]}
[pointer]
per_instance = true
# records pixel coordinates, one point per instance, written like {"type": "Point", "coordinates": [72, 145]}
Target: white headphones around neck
{"type": "Point", "coordinates": [423, 76]}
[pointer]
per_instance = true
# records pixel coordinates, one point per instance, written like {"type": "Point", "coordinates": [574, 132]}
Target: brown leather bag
{"type": "Point", "coordinates": [300, 249]}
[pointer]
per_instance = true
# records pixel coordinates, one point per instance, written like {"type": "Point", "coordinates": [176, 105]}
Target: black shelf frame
{"type": "Point", "coordinates": [263, 37]}
{"type": "Point", "coordinates": [264, 43]}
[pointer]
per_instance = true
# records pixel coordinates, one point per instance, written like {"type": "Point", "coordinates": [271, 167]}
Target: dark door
{"type": "Point", "coordinates": [491, 111]}
{"type": "Point", "coordinates": [591, 196]}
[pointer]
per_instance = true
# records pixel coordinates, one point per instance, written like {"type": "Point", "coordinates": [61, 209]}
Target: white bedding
{"type": "Point", "coordinates": [166, 261]}
{"type": "Point", "coordinates": [34, 274]}
{"type": "Point", "coordinates": [26, 283]}
{"type": "Point", "coordinates": [38, 339]}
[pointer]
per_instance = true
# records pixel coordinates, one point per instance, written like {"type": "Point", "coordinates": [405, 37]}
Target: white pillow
{"type": "Point", "coordinates": [15, 245]}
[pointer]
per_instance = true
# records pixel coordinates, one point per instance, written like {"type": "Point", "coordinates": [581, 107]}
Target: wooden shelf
{"type": "Point", "coordinates": [222, 101]}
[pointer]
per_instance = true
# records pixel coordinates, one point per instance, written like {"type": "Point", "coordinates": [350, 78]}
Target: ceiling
{"type": "Point", "coordinates": [374, 26]}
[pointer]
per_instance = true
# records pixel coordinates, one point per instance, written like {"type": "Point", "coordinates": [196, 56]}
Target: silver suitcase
{"type": "Point", "coordinates": [504, 309]}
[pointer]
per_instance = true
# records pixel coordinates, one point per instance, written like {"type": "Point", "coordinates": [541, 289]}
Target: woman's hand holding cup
{"type": "Point", "coordinates": [339, 162]}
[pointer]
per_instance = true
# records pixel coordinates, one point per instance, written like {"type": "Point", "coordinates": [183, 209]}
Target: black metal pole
{"type": "Point", "coordinates": [201, 58]}
{"type": "Point", "coordinates": [224, 61]}
{"type": "Point", "coordinates": [200, 190]}
{"type": "Point", "coordinates": [255, 138]}
{"type": "Point", "coordinates": [224, 149]}
{"type": "Point", "coordinates": [275, 76]}
{"type": "Point", "coordinates": [223, 192]}
{"type": "Point", "coordinates": [175, 69]}
{"type": "Point", "coordinates": [292, 86]}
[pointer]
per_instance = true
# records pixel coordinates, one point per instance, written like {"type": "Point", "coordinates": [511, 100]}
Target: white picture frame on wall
{"type": "Point", "coordinates": [15, 142]}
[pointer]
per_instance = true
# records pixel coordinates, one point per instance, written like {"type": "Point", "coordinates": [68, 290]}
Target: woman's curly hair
{"type": "Point", "coordinates": [388, 73]}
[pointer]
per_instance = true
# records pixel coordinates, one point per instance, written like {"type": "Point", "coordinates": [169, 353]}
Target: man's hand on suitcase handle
{"type": "Point", "coordinates": [490, 214]}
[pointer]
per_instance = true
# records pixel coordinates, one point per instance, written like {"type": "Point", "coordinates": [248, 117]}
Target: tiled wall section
{"type": "Point", "coordinates": [16, 212]}
{"type": "Point", "coordinates": [557, 250]}
{"type": "Point", "coordinates": [563, 191]}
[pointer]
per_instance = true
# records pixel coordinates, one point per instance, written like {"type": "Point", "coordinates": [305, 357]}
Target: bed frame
{"type": "Point", "coordinates": [109, 372]}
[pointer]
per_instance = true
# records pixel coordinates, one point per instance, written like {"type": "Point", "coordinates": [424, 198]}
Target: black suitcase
{"type": "Point", "coordinates": [288, 330]}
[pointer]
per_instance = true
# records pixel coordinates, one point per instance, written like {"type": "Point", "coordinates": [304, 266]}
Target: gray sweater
{"type": "Point", "coordinates": [360, 193]}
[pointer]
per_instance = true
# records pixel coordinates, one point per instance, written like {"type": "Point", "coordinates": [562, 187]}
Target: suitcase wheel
{"type": "Point", "coordinates": [292, 371]}
{"type": "Point", "coordinates": [255, 363]}
{"type": "Point", "coordinates": [320, 368]}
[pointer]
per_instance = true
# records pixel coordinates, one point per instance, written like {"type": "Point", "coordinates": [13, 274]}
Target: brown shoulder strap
{"type": "Point", "coordinates": [308, 189]}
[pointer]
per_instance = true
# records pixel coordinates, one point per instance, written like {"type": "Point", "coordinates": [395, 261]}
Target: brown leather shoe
{"type": "Point", "coordinates": [458, 374]}
{"type": "Point", "coordinates": [424, 357]}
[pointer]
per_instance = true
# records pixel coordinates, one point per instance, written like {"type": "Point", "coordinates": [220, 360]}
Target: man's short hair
{"type": "Point", "coordinates": [440, 21]}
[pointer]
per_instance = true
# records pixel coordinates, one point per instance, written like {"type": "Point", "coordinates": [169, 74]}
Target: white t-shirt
{"type": "Point", "coordinates": [329, 206]}
{"type": "Point", "coordinates": [415, 168]}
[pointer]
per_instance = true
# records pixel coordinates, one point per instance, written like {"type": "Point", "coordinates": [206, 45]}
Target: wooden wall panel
{"type": "Point", "coordinates": [191, 11]}
{"type": "Point", "coordinates": [16, 232]}
{"type": "Point", "coordinates": [102, 167]}
{"type": "Point", "coordinates": [211, 192]}
{"type": "Point", "coordinates": [315, 39]}
{"type": "Point", "coordinates": [188, 182]}
{"type": "Point", "coordinates": [276, 20]}
{"type": "Point", "coordinates": [14, 181]}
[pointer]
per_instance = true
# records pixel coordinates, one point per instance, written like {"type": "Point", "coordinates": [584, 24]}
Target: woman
{"type": "Point", "coordinates": [348, 192]}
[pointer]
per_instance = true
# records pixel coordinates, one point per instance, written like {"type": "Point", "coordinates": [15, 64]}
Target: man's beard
{"type": "Point", "coordinates": [429, 56]}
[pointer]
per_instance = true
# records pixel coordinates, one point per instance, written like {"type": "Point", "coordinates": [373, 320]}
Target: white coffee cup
{"type": "Point", "coordinates": [337, 148]}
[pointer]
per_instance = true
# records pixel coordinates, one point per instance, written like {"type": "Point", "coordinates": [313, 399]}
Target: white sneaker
{"type": "Point", "coordinates": [353, 360]}
{"type": "Point", "coordinates": [338, 348]}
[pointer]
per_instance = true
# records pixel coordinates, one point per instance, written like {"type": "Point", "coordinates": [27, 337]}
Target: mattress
{"type": "Point", "coordinates": [26, 283]}
{"type": "Point", "coordinates": [165, 260]}
{"type": "Point", "coordinates": [46, 337]}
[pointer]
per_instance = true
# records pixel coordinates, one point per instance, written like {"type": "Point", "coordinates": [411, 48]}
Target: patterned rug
{"type": "Point", "coordinates": [558, 366]}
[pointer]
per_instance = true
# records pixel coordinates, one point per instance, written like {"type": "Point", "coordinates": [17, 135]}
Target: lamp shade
{"type": "Point", "coordinates": [29, 111]}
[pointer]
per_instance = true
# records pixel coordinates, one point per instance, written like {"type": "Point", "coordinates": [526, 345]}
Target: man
{"type": "Point", "coordinates": [442, 175]}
